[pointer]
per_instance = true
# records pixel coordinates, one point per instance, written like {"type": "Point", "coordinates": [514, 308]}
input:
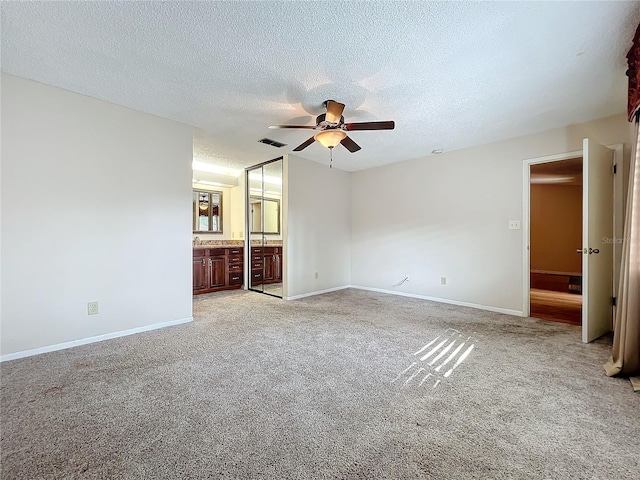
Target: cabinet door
{"type": "Point", "coordinates": [278, 274]}
{"type": "Point", "coordinates": [199, 273]}
{"type": "Point", "coordinates": [216, 272]}
{"type": "Point", "coordinates": [269, 268]}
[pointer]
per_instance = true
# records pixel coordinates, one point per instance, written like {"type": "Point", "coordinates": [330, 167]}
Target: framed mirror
{"type": "Point", "coordinates": [207, 211]}
{"type": "Point", "coordinates": [264, 215]}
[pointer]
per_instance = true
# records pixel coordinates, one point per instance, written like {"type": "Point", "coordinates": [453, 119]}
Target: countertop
{"type": "Point", "coordinates": [234, 243]}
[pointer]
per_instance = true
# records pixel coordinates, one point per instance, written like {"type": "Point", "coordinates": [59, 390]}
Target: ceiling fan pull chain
{"type": "Point", "coordinates": [331, 161]}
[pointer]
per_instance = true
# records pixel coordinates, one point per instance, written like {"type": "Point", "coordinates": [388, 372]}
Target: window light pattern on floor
{"type": "Point", "coordinates": [437, 360]}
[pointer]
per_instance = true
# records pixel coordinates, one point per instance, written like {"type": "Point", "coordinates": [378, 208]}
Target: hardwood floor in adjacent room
{"type": "Point", "coordinates": [556, 306]}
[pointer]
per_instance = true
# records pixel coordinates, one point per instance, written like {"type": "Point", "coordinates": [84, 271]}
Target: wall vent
{"type": "Point", "coordinates": [273, 143]}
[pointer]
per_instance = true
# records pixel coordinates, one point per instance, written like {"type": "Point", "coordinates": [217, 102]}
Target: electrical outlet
{"type": "Point", "coordinates": [233, 234]}
{"type": "Point", "coordinates": [92, 308]}
{"type": "Point", "coordinates": [443, 280]}
{"type": "Point", "coordinates": [316, 275]}
{"type": "Point", "coordinates": [241, 234]}
{"type": "Point", "coordinates": [514, 224]}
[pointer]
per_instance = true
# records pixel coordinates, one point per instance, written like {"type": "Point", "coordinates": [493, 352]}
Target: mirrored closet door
{"type": "Point", "coordinates": [264, 224]}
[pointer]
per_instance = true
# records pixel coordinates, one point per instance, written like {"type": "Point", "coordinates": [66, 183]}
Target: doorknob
{"type": "Point", "coordinates": [593, 250]}
{"type": "Point", "coordinates": [580, 250]}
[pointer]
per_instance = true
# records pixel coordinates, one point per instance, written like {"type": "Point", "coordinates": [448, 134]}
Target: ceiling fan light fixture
{"type": "Point", "coordinates": [330, 138]}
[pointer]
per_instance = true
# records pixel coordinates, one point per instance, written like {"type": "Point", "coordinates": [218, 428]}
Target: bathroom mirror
{"type": "Point", "coordinates": [207, 211]}
{"type": "Point", "coordinates": [265, 210]}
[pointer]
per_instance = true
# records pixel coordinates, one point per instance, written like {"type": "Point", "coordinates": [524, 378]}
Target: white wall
{"type": "Point", "coordinates": [447, 215]}
{"type": "Point", "coordinates": [555, 227]}
{"type": "Point", "coordinates": [237, 212]}
{"type": "Point", "coordinates": [318, 212]}
{"type": "Point", "coordinates": [96, 206]}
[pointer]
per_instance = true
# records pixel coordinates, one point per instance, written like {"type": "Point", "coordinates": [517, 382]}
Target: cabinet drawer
{"type": "Point", "coordinates": [256, 276]}
{"type": "Point", "coordinates": [235, 268]}
{"type": "Point", "coordinates": [256, 258]}
{"type": "Point", "coordinates": [235, 278]}
{"type": "Point", "coordinates": [235, 251]}
{"type": "Point", "coordinates": [235, 259]}
{"type": "Point", "coordinates": [256, 266]}
{"type": "Point", "coordinates": [256, 250]}
{"type": "Point", "coordinates": [216, 252]}
{"type": "Point", "coordinates": [199, 252]}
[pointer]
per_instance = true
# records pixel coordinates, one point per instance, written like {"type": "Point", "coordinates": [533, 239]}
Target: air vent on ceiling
{"type": "Point", "coordinates": [273, 143]}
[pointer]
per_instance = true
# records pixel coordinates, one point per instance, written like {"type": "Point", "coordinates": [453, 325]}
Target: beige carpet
{"type": "Point", "coordinates": [350, 384]}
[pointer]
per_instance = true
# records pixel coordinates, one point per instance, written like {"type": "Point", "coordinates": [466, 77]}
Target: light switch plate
{"type": "Point", "coordinates": [514, 224]}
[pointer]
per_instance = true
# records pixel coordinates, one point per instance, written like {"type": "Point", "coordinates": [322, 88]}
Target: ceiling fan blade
{"type": "Point", "coordinates": [350, 145]}
{"type": "Point", "coordinates": [310, 127]}
{"type": "Point", "coordinates": [390, 125]}
{"type": "Point", "coordinates": [304, 145]}
{"type": "Point", "coordinates": [334, 111]}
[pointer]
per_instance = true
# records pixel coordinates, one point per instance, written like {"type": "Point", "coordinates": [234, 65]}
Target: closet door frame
{"type": "Point", "coordinates": [249, 236]}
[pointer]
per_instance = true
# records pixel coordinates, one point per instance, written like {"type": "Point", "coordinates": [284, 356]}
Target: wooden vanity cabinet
{"type": "Point", "coordinates": [266, 265]}
{"type": "Point", "coordinates": [217, 269]}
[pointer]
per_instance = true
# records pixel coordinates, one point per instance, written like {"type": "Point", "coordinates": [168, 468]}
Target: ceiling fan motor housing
{"type": "Point", "coordinates": [322, 124]}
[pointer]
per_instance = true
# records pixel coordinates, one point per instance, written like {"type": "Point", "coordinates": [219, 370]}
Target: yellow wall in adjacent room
{"type": "Point", "coordinates": [556, 227]}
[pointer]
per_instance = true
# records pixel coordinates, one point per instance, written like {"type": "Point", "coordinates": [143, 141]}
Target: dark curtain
{"type": "Point", "coordinates": [633, 58]}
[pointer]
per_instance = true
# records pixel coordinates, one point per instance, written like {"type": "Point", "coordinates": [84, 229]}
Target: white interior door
{"type": "Point", "coordinates": [597, 250]}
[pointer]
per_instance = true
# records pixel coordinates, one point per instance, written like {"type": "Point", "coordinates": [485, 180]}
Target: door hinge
{"type": "Point", "coordinates": [614, 301]}
{"type": "Point", "coordinates": [615, 168]}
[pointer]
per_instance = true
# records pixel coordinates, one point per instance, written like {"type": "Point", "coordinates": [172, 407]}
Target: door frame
{"type": "Point", "coordinates": [618, 217]}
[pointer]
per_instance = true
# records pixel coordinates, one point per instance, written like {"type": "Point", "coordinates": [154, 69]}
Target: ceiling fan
{"type": "Point", "coordinates": [332, 128]}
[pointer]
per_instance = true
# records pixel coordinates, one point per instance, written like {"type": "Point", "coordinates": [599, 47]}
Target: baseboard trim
{"type": "Point", "coordinates": [318, 292]}
{"type": "Point", "coordinates": [506, 311]}
{"type": "Point", "coordinates": [98, 338]}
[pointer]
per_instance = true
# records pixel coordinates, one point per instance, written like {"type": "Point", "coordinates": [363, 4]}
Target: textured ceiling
{"type": "Point", "coordinates": [451, 74]}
